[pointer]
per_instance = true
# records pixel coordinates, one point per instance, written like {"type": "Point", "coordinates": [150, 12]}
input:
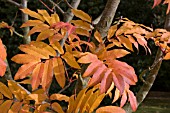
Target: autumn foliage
{"type": "Point", "coordinates": [62, 45]}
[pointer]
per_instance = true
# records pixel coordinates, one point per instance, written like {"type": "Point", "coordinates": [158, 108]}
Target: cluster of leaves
{"type": "Point", "coordinates": [64, 45]}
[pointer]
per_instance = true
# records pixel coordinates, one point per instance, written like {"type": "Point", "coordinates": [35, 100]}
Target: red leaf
{"type": "Point", "coordinates": [132, 99]}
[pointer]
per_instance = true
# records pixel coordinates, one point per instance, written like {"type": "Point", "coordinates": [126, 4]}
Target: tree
{"type": "Point", "coordinates": [79, 50]}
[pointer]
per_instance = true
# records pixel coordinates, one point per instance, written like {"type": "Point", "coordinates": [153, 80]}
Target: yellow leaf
{"type": "Point", "coordinates": [69, 58]}
{"type": "Point", "coordinates": [45, 15]}
{"type": "Point", "coordinates": [38, 98]}
{"type": "Point", "coordinates": [18, 92]}
{"type": "Point", "coordinates": [25, 70]}
{"type": "Point", "coordinates": [26, 81]}
{"type": "Point", "coordinates": [5, 91]}
{"type": "Point", "coordinates": [79, 99]}
{"type": "Point", "coordinates": [59, 97]}
{"type": "Point", "coordinates": [96, 103]}
{"type": "Point", "coordinates": [56, 45]}
{"type": "Point", "coordinates": [98, 36]}
{"type": "Point", "coordinates": [47, 74]}
{"type": "Point", "coordinates": [37, 75]}
{"type": "Point", "coordinates": [1, 98]}
{"type": "Point", "coordinates": [56, 17]}
{"type": "Point", "coordinates": [42, 107]}
{"type": "Point", "coordinates": [82, 32]}
{"type": "Point", "coordinates": [167, 56]}
{"type": "Point", "coordinates": [32, 14]}
{"type": "Point", "coordinates": [125, 42]}
{"type": "Point", "coordinates": [15, 107]}
{"type": "Point", "coordinates": [32, 50]}
{"type": "Point", "coordinates": [25, 58]}
{"type": "Point", "coordinates": [31, 23]}
{"type": "Point", "coordinates": [25, 109]}
{"type": "Point", "coordinates": [117, 95]}
{"type": "Point", "coordinates": [4, 107]}
{"type": "Point", "coordinates": [71, 105]}
{"type": "Point", "coordinates": [59, 71]}
{"type": "Point", "coordinates": [81, 24]}
{"type": "Point", "coordinates": [45, 47]}
{"type": "Point", "coordinates": [82, 15]}
{"type": "Point", "coordinates": [45, 34]}
{"type": "Point", "coordinates": [57, 107]}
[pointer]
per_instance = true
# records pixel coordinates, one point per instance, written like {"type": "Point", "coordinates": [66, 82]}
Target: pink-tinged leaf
{"type": "Point", "coordinates": [25, 70]}
{"type": "Point", "coordinates": [37, 75]}
{"type": "Point", "coordinates": [98, 37]}
{"type": "Point", "coordinates": [38, 28]}
{"type": "Point", "coordinates": [69, 58]}
{"type": "Point", "coordinates": [156, 2]}
{"type": "Point", "coordinates": [3, 66]}
{"type": "Point", "coordinates": [32, 14]}
{"type": "Point", "coordinates": [132, 99]}
{"type": "Point", "coordinates": [110, 109]}
{"type": "Point", "coordinates": [106, 81]}
{"type": "Point", "coordinates": [59, 71]}
{"type": "Point", "coordinates": [31, 23]}
{"type": "Point", "coordinates": [97, 76]}
{"type": "Point", "coordinates": [167, 2]}
{"type": "Point", "coordinates": [123, 99]}
{"type": "Point", "coordinates": [82, 15]}
{"type": "Point", "coordinates": [25, 58]}
{"type": "Point", "coordinates": [119, 82]}
{"type": "Point", "coordinates": [47, 74]}
{"type": "Point", "coordinates": [45, 34]}
{"type": "Point", "coordinates": [88, 58]}
{"type": "Point", "coordinates": [92, 68]}
{"type": "Point", "coordinates": [3, 51]}
{"type": "Point", "coordinates": [116, 96]}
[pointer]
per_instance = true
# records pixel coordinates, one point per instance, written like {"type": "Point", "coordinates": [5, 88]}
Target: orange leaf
{"type": "Point", "coordinates": [47, 74]}
{"type": "Point", "coordinates": [38, 28]}
{"type": "Point", "coordinates": [59, 71]}
{"type": "Point", "coordinates": [59, 97]}
{"type": "Point", "coordinates": [45, 47]}
{"type": "Point", "coordinates": [38, 98]}
{"type": "Point", "coordinates": [3, 51]}
{"type": "Point", "coordinates": [32, 14]}
{"type": "Point", "coordinates": [5, 91]}
{"type": "Point", "coordinates": [81, 24]}
{"type": "Point", "coordinates": [3, 66]}
{"type": "Point", "coordinates": [15, 107]}
{"type": "Point", "coordinates": [87, 58]}
{"type": "Point", "coordinates": [56, 45]}
{"type": "Point", "coordinates": [45, 15]}
{"type": "Point", "coordinates": [4, 107]}
{"type": "Point", "coordinates": [37, 75]}
{"type": "Point", "coordinates": [57, 107]}
{"type": "Point", "coordinates": [167, 56]}
{"type": "Point", "coordinates": [82, 15]}
{"type": "Point", "coordinates": [132, 99]}
{"type": "Point", "coordinates": [71, 105]}
{"type": "Point", "coordinates": [25, 58]}
{"type": "Point", "coordinates": [111, 31]}
{"type": "Point", "coordinates": [55, 17]}
{"type": "Point", "coordinates": [32, 50]}
{"type": "Point", "coordinates": [98, 36]}
{"type": "Point", "coordinates": [125, 42]}
{"type": "Point", "coordinates": [110, 109]}
{"type": "Point", "coordinates": [82, 32]}
{"type": "Point", "coordinates": [25, 109]}
{"type": "Point", "coordinates": [69, 58]}
{"type": "Point", "coordinates": [31, 23]}
{"type": "Point", "coordinates": [45, 34]}
{"type": "Point", "coordinates": [116, 53]}
{"type": "Point", "coordinates": [25, 70]}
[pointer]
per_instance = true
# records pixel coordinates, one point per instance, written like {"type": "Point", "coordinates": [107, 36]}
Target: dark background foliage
{"type": "Point", "coordinates": [139, 11]}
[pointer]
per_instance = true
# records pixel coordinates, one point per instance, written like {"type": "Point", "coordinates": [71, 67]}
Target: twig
{"type": "Point", "coordinates": [56, 5]}
{"type": "Point", "coordinates": [67, 86]}
{"type": "Point", "coordinates": [68, 4]}
{"type": "Point", "coordinates": [15, 3]}
{"type": "Point", "coordinates": [46, 6]}
{"type": "Point", "coordinates": [18, 34]}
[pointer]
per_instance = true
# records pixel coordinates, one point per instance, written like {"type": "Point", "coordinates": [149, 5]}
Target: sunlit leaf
{"type": "Point", "coordinates": [45, 34]}
{"type": "Point", "coordinates": [98, 37]}
{"type": "Point", "coordinates": [59, 71]}
{"type": "Point", "coordinates": [15, 107]}
{"type": "Point", "coordinates": [38, 98]}
{"type": "Point", "coordinates": [59, 97]}
{"type": "Point", "coordinates": [4, 107]}
{"type": "Point", "coordinates": [81, 24]}
{"type": "Point", "coordinates": [82, 15]}
{"type": "Point", "coordinates": [57, 107]}
{"type": "Point", "coordinates": [38, 28]}
{"type": "Point", "coordinates": [56, 45]}
{"type": "Point", "coordinates": [45, 15]}
{"type": "Point", "coordinates": [111, 31]}
{"type": "Point", "coordinates": [31, 23]}
{"type": "Point", "coordinates": [3, 51]}
{"type": "Point", "coordinates": [3, 67]}
{"type": "Point", "coordinates": [87, 58]}
{"type": "Point", "coordinates": [116, 96]}
{"type": "Point", "coordinates": [82, 32]}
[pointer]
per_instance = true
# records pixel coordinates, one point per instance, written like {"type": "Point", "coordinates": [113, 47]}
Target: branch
{"type": "Point", "coordinates": [107, 17]}
{"type": "Point", "coordinates": [15, 3]}
{"type": "Point", "coordinates": [46, 6]}
{"type": "Point", "coordinates": [96, 21]}
{"type": "Point", "coordinates": [68, 4]}
{"type": "Point", "coordinates": [142, 93]}
{"type": "Point", "coordinates": [58, 7]}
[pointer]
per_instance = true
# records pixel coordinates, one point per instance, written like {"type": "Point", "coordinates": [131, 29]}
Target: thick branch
{"type": "Point", "coordinates": [142, 93]}
{"type": "Point", "coordinates": [107, 17]}
{"type": "Point", "coordinates": [15, 3]}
